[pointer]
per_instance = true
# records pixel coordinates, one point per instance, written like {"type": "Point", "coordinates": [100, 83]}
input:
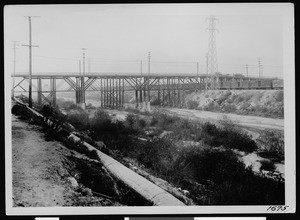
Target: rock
{"type": "Point", "coordinates": [86, 192]}
{"type": "Point", "coordinates": [100, 144]}
{"type": "Point", "coordinates": [165, 133]}
{"type": "Point", "coordinates": [186, 192]}
{"type": "Point", "coordinates": [73, 182]}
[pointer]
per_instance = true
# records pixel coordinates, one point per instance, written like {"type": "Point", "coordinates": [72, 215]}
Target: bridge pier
{"type": "Point", "coordinates": [53, 90]}
{"type": "Point", "coordinates": [80, 92]}
{"type": "Point", "coordinates": [39, 91]}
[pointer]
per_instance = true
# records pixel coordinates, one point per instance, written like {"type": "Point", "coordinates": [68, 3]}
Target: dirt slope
{"type": "Point", "coordinates": [41, 176]}
{"type": "Point", "coordinates": [266, 103]}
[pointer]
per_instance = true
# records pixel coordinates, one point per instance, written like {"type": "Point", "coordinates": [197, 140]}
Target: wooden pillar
{"type": "Point", "coordinates": [113, 104]}
{"type": "Point", "coordinates": [39, 92]}
{"type": "Point", "coordinates": [82, 97]}
{"type": "Point", "coordinates": [53, 90]}
{"type": "Point", "coordinates": [158, 92]}
{"type": "Point", "coordinates": [123, 88]}
{"type": "Point", "coordinates": [136, 99]}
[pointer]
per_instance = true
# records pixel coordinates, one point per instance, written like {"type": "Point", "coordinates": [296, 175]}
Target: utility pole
{"type": "Point", "coordinates": [83, 59]}
{"type": "Point", "coordinates": [149, 60]}
{"type": "Point", "coordinates": [30, 60]}
{"type": "Point", "coordinates": [141, 67]}
{"type": "Point", "coordinates": [148, 79]}
{"type": "Point", "coordinates": [206, 63]}
{"type": "Point", "coordinates": [247, 70]}
{"type": "Point", "coordinates": [197, 69]}
{"type": "Point", "coordinates": [79, 67]}
{"type": "Point", "coordinates": [14, 48]}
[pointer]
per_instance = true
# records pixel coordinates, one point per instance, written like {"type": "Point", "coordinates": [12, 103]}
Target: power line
{"type": "Point", "coordinates": [14, 48]}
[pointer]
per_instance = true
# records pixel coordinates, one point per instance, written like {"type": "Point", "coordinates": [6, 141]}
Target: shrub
{"type": "Point", "coordinates": [233, 137]}
{"type": "Point", "coordinates": [22, 111]}
{"type": "Point", "coordinates": [227, 135]}
{"type": "Point", "coordinates": [131, 119]}
{"type": "Point", "coordinates": [267, 165]}
{"type": "Point", "coordinates": [79, 120]}
{"type": "Point", "coordinates": [142, 123]}
{"type": "Point", "coordinates": [271, 144]}
{"type": "Point", "coordinates": [192, 104]}
{"type": "Point", "coordinates": [229, 108]}
{"type": "Point", "coordinates": [163, 120]}
{"type": "Point", "coordinates": [90, 106]}
{"type": "Point", "coordinates": [225, 180]}
{"type": "Point", "coordinates": [239, 99]}
{"type": "Point", "coordinates": [212, 107]}
{"type": "Point", "coordinates": [279, 96]}
{"type": "Point", "coordinates": [223, 97]}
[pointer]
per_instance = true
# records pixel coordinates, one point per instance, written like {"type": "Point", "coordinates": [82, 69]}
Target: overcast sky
{"type": "Point", "coordinates": [118, 37]}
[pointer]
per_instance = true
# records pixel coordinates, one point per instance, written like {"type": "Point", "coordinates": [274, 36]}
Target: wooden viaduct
{"type": "Point", "coordinates": [169, 88]}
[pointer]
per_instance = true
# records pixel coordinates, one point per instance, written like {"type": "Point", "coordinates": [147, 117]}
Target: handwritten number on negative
{"type": "Point", "coordinates": [277, 208]}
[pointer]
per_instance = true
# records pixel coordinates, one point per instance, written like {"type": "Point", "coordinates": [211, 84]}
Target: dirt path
{"type": "Point", "coordinates": [40, 170]}
{"type": "Point", "coordinates": [243, 120]}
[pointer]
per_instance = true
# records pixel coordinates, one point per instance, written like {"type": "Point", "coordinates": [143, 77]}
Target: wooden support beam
{"type": "Point", "coordinates": [39, 92]}
{"type": "Point", "coordinates": [53, 90]}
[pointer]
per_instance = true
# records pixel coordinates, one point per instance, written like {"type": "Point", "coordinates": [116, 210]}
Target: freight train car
{"type": "Point", "coordinates": [278, 84]}
{"type": "Point", "coordinates": [252, 84]}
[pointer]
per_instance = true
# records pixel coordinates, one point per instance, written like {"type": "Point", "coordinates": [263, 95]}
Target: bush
{"type": "Point", "coordinates": [79, 120]}
{"type": "Point", "coordinates": [279, 96]}
{"type": "Point", "coordinates": [229, 108]}
{"type": "Point", "coordinates": [223, 97]}
{"type": "Point", "coordinates": [192, 104]}
{"type": "Point", "coordinates": [212, 107]}
{"type": "Point", "coordinates": [163, 120]}
{"type": "Point", "coordinates": [239, 99]}
{"type": "Point", "coordinates": [233, 137]}
{"type": "Point", "coordinates": [90, 106]}
{"type": "Point", "coordinates": [225, 180]}
{"type": "Point", "coordinates": [131, 119]}
{"type": "Point", "coordinates": [22, 111]}
{"type": "Point", "coordinates": [227, 135]}
{"type": "Point", "coordinates": [271, 144]}
{"type": "Point", "coordinates": [267, 165]}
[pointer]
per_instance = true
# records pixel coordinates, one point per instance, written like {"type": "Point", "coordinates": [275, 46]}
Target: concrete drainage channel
{"type": "Point", "coordinates": [109, 178]}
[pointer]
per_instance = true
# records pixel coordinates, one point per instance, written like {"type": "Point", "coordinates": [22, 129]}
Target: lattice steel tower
{"type": "Point", "coordinates": [212, 49]}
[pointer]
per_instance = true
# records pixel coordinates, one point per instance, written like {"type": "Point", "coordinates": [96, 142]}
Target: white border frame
{"type": "Point", "coordinates": [287, 12]}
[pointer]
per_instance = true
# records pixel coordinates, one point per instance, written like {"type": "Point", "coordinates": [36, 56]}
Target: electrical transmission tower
{"type": "Point", "coordinates": [212, 48]}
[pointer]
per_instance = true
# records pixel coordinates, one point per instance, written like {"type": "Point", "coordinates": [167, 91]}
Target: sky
{"type": "Point", "coordinates": [118, 38]}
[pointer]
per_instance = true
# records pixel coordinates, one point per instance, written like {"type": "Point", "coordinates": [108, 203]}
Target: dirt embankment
{"type": "Point", "coordinates": [44, 174]}
{"type": "Point", "coordinates": [266, 103]}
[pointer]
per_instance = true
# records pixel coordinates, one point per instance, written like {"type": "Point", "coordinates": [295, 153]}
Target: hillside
{"type": "Point", "coordinates": [267, 103]}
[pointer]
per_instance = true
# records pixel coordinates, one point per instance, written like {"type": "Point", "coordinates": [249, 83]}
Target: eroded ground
{"type": "Point", "coordinates": [43, 174]}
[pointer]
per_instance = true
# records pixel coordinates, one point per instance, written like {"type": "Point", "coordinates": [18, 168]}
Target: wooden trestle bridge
{"type": "Point", "coordinates": [169, 88]}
